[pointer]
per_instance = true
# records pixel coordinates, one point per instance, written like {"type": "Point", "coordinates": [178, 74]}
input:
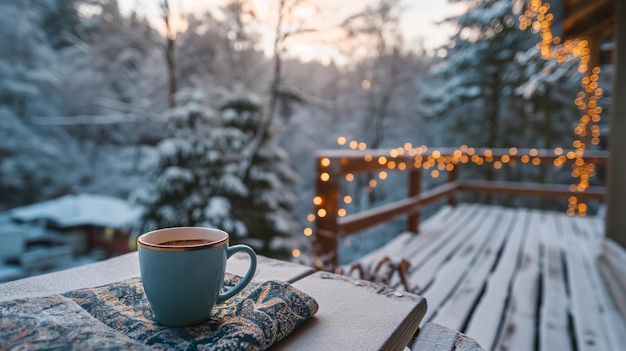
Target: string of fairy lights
{"type": "Point", "coordinates": [538, 18]}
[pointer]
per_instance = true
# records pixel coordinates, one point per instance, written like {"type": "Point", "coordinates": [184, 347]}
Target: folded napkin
{"type": "Point", "coordinates": [118, 316]}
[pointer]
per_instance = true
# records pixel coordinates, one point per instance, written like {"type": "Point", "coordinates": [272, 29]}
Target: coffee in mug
{"type": "Point", "coordinates": [182, 271]}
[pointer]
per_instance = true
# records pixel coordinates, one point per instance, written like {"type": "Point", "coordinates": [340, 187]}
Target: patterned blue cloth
{"type": "Point", "coordinates": [118, 316]}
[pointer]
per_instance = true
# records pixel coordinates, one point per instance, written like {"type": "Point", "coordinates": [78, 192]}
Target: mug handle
{"type": "Point", "coordinates": [247, 278]}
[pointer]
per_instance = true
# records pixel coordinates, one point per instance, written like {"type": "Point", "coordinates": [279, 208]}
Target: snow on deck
{"type": "Point", "coordinates": [512, 279]}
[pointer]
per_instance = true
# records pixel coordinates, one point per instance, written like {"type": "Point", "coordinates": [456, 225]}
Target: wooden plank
{"type": "Point", "coordinates": [355, 315]}
{"type": "Point", "coordinates": [485, 321]}
{"type": "Point", "coordinates": [612, 281]}
{"type": "Point", "coordinates": [530, 189]}
{"type": "Point", "coordinates": [435, 231]}
{"type": "Point", "coordinates": [518, 329]}
{"type": "Point", "coordinates": [127, 266]}
{"type": "Point", "coordinates": [454, 268]}
{"type": "Point", "coordinates": [554, 312]}
{"type": "Point", "coordinates": [432, 230]}
{"type": "Point", "coordinates": [613, 317]}
{"type": "Point", "coordinates": [455, 311]}
{"type": "Point", "coordinates": [397, 246]}
{"type": "Point", "coordinates": [427, 262]}
{"type": "Point", "coordinates": [585, 308]}
{"type": "Point", "coordinates": [362, 220]}
{"type": "Point", "coordinates": [615, 258]}
{"type": "Point", "coordinates": [434, 337]}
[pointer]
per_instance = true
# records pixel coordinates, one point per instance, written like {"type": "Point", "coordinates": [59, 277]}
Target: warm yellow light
{"type": "Point", "coordinates": [310, 217]}
{"type": "Point", "coordinates": [341, 212]}
{"type": "Point", "coordinates": [434, 173]}
{"type": "Point", "coordinates": [449, 167]}
{"type": "Point", "coordinates": [372, 183]}
{"type": "Point", "coordinates": [408, 146]}
{"type": "Point", "coordinates": [321, 213]}
{"type": "Point", "coordinates": [341, 140]}
{"type": "Point", "coordinates": [382, 160]}
{"type": "Point", "coordinates": [325, 162]}
{"type": "Point", "coordinates": [536, 161]}
{"type": "Point", "coordinates": [525, 159]}
{"type": "Point", "coordinates": [533, 152]}
{"type": "Point", "coordinates": [362, 146]}
{"type": "Point", "coordinates": [324, 177]}
{"type": "Point", "coordinates": [353, 144]}
{"type": "Point", "coordinates": [391, 165]}
{"type": "Point", "coordinates": [366, 84]}
{"type": "Point", "coordinates": [295, 253]}
{"type": "Point", "coordinates": [367, 158]}
{"type": "Point", "coordinates": [317, 200]}
{"type": "Point", "coordinates": [393, 153]}
{"type": "Point", "coordinates": [382, 175]}
{"type": "Point", "coordinates": [349, 177]}
{"type": "Point", "coordinates": [308, 231]}
{"type": "Point", "coordinates": [347, 199]}
{"type": "Point", "coordinates": [497, 165]}
{"type": "Point", "coordinates": [505, 158]}
{"type": "Point", "coordinates": [436, 154]}
{"type": "Point", "coordinates": [402, 166]}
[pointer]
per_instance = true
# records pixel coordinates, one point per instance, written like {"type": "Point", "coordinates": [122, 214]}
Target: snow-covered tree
{"type": "Point", "coordinates": [196, 180]}
{"type": "Point", "coordinates": [36, 162]}
{"type": "Point", "coordinates": [475, 80]}
{"type": "Point", "coordinates": [28, 69]}
{"type": "Point", "coordinates": [189, 172]}
{"type": "Point", "coordinates": [266, 207]}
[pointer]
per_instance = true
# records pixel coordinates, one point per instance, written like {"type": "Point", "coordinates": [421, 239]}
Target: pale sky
{"type": "Point", "coordinates": [419, 20]}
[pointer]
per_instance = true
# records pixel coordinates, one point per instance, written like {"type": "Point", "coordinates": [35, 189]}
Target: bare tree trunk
{"type": "Point", "coordinates": [252, 149]}
{"type": "Point", "coordinates": [169, 53]}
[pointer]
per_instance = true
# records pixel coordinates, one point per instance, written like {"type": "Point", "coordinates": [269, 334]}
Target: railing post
{"type": "Point", "coordinates": [453, 175]}
{"type": "Point", "coordinates": [326, 231]}
{"type": "Point", "coordinates": [415, 188]}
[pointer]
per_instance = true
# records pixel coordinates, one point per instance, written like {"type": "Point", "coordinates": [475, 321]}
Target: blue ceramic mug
{"type": "Point", "coordinates": [182, 270]}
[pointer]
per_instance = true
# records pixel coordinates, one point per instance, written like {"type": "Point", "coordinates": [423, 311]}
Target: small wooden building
{"type": "Point", "coordinates": [87, 221]}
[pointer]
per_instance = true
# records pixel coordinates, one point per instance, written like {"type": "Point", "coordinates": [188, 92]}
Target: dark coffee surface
{"type": "Point", "coordinates": [185, 242]}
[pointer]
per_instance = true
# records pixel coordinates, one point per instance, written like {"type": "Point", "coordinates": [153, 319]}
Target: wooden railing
{"type": "Point", "coordinates": [334, 165]}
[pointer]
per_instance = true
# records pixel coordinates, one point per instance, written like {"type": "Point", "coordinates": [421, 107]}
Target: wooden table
{"type": "Point", "coordinates": [353, 314]}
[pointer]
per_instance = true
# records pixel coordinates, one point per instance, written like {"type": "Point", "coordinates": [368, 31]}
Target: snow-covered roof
{"type": "Point", "coordinates": [81, 209]}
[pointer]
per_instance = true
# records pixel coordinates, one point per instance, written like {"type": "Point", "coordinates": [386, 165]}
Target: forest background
{"type": "Point", "coordinates": [201, 121]}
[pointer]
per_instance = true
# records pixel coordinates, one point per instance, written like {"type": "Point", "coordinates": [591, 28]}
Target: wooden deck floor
{"type": "Point", "coordinates": [512, 279]}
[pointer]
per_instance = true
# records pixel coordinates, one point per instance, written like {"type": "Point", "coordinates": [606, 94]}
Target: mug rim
{"type": "Point", "coordinates": [144, 243]}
